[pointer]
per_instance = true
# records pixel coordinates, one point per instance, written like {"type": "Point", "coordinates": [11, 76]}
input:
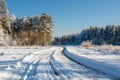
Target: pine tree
{"type": "Point", "coordinates": [46, 26]}
{"type": "Point", "coordinates": [36, 39]}
{"type": "Point", "coordinates": [4, 18]}
{"type": "Point", "coordinates": [14, 27]}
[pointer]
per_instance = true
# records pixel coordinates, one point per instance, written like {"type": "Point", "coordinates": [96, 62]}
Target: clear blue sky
{"type": "Point", "coordinates": [70, 16]}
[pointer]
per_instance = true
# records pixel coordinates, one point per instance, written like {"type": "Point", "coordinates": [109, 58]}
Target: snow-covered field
{"type": "Point", "coordinates": [105, 62]}
{"type": "Point", "coordinates": [53, 63]}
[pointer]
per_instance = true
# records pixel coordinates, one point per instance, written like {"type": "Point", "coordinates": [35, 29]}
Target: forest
{"type": "Point", "coordinates": [109, 34]}
{"type": "Point", "coordinates": [35, 30]}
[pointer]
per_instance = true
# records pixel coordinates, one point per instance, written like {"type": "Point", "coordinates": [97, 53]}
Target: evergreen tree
{"type": "Point", "coordinates": [46, 26]}
{"type": "Point", "coordinates": [4, 18]}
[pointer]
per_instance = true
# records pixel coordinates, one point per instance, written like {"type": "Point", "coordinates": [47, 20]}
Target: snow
{"type": "Point", "coordinates": [68, 69]}
{"type": "Point", "coordinates": [42, 63]}
{"type": "Point", "coordinates": [11, 61]}
{"type": "Point", "coordinates": [108, 64]}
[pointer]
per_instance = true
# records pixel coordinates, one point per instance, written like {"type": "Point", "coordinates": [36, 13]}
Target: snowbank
{"type": "Point", "coordinates": [90, 63]}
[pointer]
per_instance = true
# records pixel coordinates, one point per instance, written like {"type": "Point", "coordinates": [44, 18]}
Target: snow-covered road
{"type": "Point", "coordinates": [69, 70]}
{"type": "Point", "coordinates": [48, 63]}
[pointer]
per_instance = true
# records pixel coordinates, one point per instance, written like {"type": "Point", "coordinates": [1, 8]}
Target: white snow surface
{"type": "Point", "coordinates": [42, 63]}
{"type": "Point", "coordinates": [104, 62]}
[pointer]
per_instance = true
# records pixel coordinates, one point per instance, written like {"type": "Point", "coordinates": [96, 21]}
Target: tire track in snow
{"type": "Point", "coordinates": [70, 70]}
{"type": "Point", "coordinates": [45, 71]}
{"type": "Point", "coordinates": [59, 69]}
{"type": "Point", "coordinates": [30, 70]}
{"type": "Point", "coordinates": [31, 62]}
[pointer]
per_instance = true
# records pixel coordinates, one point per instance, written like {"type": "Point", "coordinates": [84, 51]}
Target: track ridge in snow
{"type": "Point", "coordinates": [52, 65]}
{"type": "Point", "coordinates": [93, 65]}
{"type": "Point", "coordinates": [30, 69]}
{"type": "Point", "coordinates": [71, 58]}
{"type": "Point", "coordinates": [56, 72]}
{"type": "Point", "coordinates": [44, 70]}
{"type": "Point", "coordinates": [67, 69]}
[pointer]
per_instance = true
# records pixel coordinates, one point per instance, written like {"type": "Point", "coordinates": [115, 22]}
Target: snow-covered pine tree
{"type": "Point", "coordinates": [14, 27]}
{"type": "Point", "coordinates": [4, 24]}
{"type": "Point", "coordinates": [36, 36]}
{"type": "Point", "coordinates": [4, 18]}
{"type": "Point", "coordinates": [46, 26]}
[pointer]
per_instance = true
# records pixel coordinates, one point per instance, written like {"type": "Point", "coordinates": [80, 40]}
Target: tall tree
{"type": "Point", "coordinates": [36, 39]}
{"type": "Point", "coordinates": [46, 26]}
{"type": "Point", "coordinates": [4, 18]}
{"type": "Point", "coordinates": [14, 27]}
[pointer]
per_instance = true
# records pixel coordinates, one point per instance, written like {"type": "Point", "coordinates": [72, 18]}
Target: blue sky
{"type": "Point", "coordinates": [70, 16]}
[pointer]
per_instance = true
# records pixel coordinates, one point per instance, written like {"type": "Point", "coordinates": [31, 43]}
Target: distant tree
{"type": "Point", "coordinates": [109, 34]}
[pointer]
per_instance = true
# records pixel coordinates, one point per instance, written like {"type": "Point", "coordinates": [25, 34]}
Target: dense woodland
{"type": "Point", "coordinates": [109, 34]}
{"type": "Point", "coordinates": [35, 30]}
{"type": "Point", "coordinates": [71, 39]}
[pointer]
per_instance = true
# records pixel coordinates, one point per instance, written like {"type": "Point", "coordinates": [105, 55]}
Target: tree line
{"type": "Point", "coordinates": [35, 30]}
{"type": "Point", "coordinates": [71, 39]}
{"type": "Point", "coordinates": [109, 34]}
{"type": "Point", "coordinates": [102, 35]}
